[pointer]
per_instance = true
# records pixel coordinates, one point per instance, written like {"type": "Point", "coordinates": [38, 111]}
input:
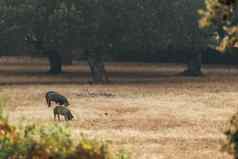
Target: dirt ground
{"type": "Point", "coordinates": [148, 109]}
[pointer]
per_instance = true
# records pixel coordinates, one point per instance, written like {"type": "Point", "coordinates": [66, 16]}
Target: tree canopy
{"type": "Point", "coordinates": [99, 27]}
{"type": "Point", "coordinates": [221, 17]}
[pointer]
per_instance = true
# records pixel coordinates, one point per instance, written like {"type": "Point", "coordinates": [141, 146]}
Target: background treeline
{"type": "Point", "coordinates": [209, 56]}
{"type": "Point", "coordinates": [99, 30]}
{"type": "Point", "coordinates": [123, 29]}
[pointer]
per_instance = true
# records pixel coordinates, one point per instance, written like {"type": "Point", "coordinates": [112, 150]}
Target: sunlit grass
{"type": "Point", "coordinates": [157, 114]}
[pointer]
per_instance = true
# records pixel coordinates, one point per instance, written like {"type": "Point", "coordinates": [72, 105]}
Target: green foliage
{"type": "Point", "coordinates": [51, 140]}
{"type": "Point", "coordinates": [101, 26]}
{"type": "Point", "coordinates": [48, 141]}
{"type": "Point", "coordinates": [8, 135]}
{"type": "Point", "coordinates": [231, 143]}
{"type": "Point", "coordinates": [2, 104]}
{"type": "Point", "coordinates": [214, 13]}
{"type": "Point", "coordinates": [222, 16]}
{"type": "Point", "coordinates": [41, 24]}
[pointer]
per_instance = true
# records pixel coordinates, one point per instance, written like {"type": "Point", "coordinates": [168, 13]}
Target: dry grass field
{"type": "Point", "coordinates": [148, 109]}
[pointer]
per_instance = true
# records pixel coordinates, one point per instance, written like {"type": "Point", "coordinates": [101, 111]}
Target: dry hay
{"type": "Point", "coordinates": [171, 117]}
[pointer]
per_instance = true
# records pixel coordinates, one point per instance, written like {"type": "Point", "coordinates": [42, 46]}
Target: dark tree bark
{"type": "Point", "coordinates": [55, 61]}
{"type": "Point", "coordinates": [97, 68]}
{"type": "Point", "coordinates": [194, 64]}
{"type": "Point", "coordinates": [67, 58]}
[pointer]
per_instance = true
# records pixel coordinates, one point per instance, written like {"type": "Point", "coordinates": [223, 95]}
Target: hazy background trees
{"type": "Point", "coordinates": [98, 30]}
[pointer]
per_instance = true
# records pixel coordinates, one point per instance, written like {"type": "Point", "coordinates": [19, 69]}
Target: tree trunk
{"type": "Point", "coordinates": [97, 68]}
{"type": "Point", "coordinates": [194, 63]}
{"type": "Point", "coordinates": [67, 58]}
{"type": "Point", "coordinates": [55, 62]}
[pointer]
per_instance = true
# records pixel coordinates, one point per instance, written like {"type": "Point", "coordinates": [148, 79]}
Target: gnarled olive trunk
{"type": "Point", "coordinates": [67, 58]}
{"type": "Point", "coordinates": [97, 68]}
{"type": "Point", "coordinates": [194, 64]}
{"type": "Point", "coordinates": [55, 62]}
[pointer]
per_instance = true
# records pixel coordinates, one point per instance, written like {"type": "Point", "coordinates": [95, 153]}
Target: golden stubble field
{"type": "Point", "coordinates": [148, 109]}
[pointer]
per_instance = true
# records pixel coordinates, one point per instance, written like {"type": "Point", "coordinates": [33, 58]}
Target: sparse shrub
{"type": "Point", "coordinates": [231, 143]}
{"type": "Point", "coordinates": [48, 141]}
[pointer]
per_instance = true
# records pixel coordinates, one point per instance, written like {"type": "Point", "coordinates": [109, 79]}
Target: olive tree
{"type": "Point", "coordinates": [100, 28]}
{"type": "Point", "coordinates": [55, 28]}
{"type": "Point", "coordinates": [48, 27]}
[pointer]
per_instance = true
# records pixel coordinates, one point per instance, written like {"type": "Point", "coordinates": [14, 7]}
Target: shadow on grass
{"type": "Point", "coordinates": [14, 75]}
{"type": "Point", "coordinates": [83, 77]}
